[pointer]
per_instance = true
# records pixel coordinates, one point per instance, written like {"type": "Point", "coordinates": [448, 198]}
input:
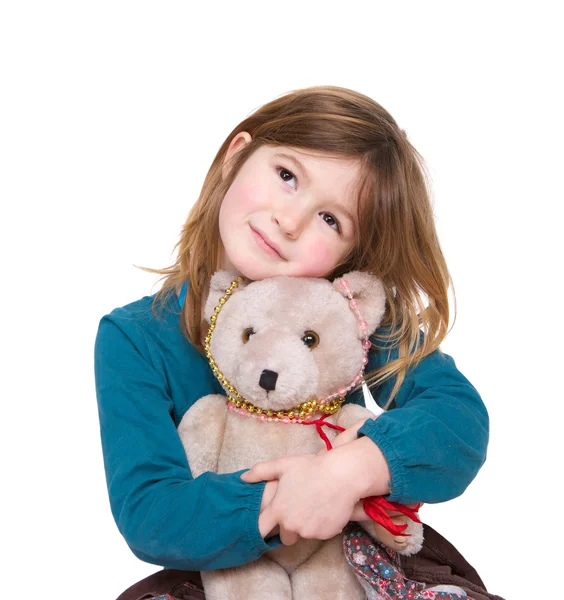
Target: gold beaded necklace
{"type": "Point", "coordinates": [302, 412]}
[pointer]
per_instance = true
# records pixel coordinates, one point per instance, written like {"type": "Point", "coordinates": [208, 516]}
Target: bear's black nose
{"type": "Point", "coordinates": [268, 380]}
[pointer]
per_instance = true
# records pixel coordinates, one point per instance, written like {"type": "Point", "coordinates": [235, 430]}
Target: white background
{"type": "Point", "coordinates": [111, 113]}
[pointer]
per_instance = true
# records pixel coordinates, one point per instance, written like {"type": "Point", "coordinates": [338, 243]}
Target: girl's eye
{"type": "Point", "coordinates": [286, 176]}
{"type": "Point", "coordinates": [283, 174]}
{"type": "Point", "coordinates": [331, 221]}
{"type": "Point", "coordinates": [247, 334]}
{"type": "Point", "coordinates": [310, 339]}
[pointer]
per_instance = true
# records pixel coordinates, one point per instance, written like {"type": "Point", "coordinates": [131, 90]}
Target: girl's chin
{"type": "Point", "coordinates": [255, 271]}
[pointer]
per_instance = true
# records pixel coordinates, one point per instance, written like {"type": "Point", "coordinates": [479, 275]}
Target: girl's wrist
{"type": "Point", "coordinates": [363, 466]}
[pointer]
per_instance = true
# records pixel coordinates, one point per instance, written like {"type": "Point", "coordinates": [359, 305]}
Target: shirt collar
{"type": "Point", "coordinates": [182, 294]}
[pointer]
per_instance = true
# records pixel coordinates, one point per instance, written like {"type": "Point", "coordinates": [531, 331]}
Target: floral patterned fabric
{"type": "Point", "coordinates": [379, 572]}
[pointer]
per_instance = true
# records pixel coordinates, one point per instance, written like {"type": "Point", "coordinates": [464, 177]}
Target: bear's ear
{"type": "Point", "coordinates": [220, 281]}
{"type": "Point", "coordinates": [369, 295]}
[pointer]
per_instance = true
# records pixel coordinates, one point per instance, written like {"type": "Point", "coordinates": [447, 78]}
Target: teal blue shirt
{"type": "Point", "coordinates": [148, 374]}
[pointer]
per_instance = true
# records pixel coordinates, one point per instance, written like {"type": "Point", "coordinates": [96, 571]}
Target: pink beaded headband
{"type": "Point", "coordinates": [366, 343]}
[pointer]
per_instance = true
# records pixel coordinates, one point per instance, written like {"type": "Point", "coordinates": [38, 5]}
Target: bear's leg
{"type": "Point", "coordinates": [326, 574]}
{"type": "Point", "coordinates": [262, 579]}
{"type": "Point", "coordinates": [404, 544]}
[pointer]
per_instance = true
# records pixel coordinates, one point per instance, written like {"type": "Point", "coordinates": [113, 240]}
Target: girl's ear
{"type": "Point", "coordinates": [236, 144]}
{"type": "Point", "coordinates": [369, 297]}
{"type": "Point", "coordinates": [220, 281]}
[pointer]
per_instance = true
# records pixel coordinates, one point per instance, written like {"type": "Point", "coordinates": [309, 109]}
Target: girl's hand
{"type": "Point", "coordinates": [350, 435]}
{"type": "Point", "coordinates": [305, 503]}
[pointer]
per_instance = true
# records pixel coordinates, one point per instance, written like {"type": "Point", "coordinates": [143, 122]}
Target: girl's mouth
{"type": "Point", "coordinates": [264, 244]}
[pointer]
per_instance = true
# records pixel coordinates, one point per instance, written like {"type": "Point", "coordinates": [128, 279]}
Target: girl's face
{"type": "Point", "coordinates": [288, 212]}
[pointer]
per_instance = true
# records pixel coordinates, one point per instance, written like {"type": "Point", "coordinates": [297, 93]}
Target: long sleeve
{"type": "Point", "coordinates": [166, 516]}
{"type": "Point", "coordinates": [435, 436]}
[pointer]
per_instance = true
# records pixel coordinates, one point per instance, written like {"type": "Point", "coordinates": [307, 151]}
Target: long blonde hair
{"type": "Point", "coordinates": [396, 238]}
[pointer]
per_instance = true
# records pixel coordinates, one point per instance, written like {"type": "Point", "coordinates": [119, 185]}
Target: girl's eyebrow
{"type": "Point", "coordinates": [297, 164]}
{"type": "Point", "coordinates": [299, 167]}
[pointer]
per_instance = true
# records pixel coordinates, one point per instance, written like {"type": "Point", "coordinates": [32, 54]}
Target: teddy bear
{"type": "Point", "coordinates": [286, 350]}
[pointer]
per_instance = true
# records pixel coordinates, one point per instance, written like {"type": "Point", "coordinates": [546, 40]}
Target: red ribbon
{"type": "Point", "coordinates": [318, 425]}
{"type": "Point", "coordinates": [374, 506]}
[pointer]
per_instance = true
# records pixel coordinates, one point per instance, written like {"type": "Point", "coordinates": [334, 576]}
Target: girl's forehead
{"type": "Point", "coordinates": [311, 154]}
{"type": "Point", "coordinates": [327, 171]}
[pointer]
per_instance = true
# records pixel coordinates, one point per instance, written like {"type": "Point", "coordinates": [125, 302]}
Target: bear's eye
{"type": "Point", "coordinates": [310, 339]}
{"type": "Point", "coordinates": [247, 334]}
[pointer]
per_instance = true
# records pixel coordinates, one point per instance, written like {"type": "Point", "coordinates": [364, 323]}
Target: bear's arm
{"type": "Point", "coordinates": [349, 414]}
{"type": "Point", "coordinates": [201, 431]}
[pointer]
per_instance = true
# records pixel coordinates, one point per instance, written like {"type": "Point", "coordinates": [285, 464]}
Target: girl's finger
{"type": "Point", "coordinates": [288, 538]}
{"type": "Point", "coordinates": [264, 471]}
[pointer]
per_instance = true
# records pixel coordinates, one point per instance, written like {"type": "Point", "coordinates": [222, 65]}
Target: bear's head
{"type": "Point", "coordinates": [285, 340]}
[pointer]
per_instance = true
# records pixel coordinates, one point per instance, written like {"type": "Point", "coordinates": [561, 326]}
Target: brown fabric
{"type": "Point", "coordinates": [439, 562]}
{"type": "Point", "coordinates": [181, 585]}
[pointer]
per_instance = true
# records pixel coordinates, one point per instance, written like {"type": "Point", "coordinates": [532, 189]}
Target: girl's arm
{"type": "Point", "coordinates": [166, 516]}
{"type": "Point", "coordinates": [435, 437]}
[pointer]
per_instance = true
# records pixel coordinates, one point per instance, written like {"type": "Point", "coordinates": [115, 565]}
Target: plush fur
{"type": "Point", "coordinates": [280, 310]}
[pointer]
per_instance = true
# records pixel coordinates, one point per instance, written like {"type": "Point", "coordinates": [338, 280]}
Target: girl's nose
{"type": "Point", "coordinates": [291, 220]}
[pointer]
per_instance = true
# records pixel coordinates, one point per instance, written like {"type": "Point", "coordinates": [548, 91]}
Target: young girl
{"type": "Point", "coordinates": [318, 182]}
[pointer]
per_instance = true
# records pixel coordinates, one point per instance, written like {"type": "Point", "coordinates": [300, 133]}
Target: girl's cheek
{"type": "Point", "coordinates": [244, 196]}
{"type": "Point", "coordinates": [319, 260]}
